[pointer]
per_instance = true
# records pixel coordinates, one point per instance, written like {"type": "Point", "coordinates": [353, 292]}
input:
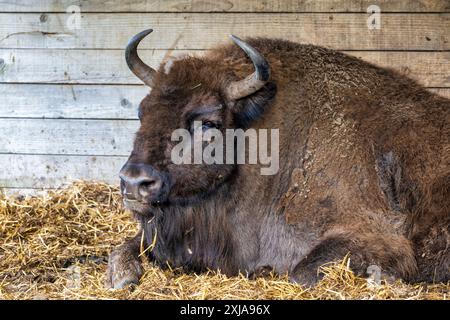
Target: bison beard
{"type": "Point", "coordinates": [364, 167]}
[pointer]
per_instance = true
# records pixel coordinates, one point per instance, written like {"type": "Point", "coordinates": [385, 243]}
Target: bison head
{"type": "Point", "coordinates": [185, 91]}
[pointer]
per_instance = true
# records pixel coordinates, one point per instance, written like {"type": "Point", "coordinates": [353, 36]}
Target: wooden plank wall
{"type": "Point", "coordinates": [68, 102]}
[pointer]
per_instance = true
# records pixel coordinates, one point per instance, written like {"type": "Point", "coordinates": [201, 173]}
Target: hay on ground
{"type": "Point", "coordinates": [55, 246]}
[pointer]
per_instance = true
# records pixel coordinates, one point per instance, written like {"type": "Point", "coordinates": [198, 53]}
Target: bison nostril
{"type": "Point", "coordinates": [149, 186]}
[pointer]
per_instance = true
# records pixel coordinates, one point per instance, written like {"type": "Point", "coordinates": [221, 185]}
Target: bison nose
{"type": "Point", "coordinates": [143, 183]}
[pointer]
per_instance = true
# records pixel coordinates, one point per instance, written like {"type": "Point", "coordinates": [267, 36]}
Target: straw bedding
{"type": "Point", "coordinates": [55, 246]}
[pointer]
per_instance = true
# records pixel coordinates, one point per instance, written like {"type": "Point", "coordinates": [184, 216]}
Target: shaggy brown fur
{"type": "Point", "coordinates": [364, 168]}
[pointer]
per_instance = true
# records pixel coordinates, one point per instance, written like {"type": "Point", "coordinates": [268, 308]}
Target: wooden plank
{"type": "Point", "coordinates": [45, 171]}
{"type": "Point", "coordinates": [223, 5]}
{"type": "Point", "coordinates": [109, 67]}
{"type": "Point", "coordinates": [202, 31]}
{"type": "Point", "coordinates": [81, 137]}
{"type": "Point", "coordinates": [71, 101]}
{"type": "Point", "coordinates": [72, 66]}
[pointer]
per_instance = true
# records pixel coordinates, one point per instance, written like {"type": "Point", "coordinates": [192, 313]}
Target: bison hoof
{"type": "Point", "coordinates": [123, 270]}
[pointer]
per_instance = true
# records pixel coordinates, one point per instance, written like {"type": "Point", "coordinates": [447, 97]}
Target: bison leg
{"type": "Point", "coordinates": [392, 254]}
{"type": "Point", "coordinates": [124, 265]}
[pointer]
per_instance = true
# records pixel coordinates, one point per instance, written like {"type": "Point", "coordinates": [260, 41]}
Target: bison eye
{"type": "Point", "coordinates": [203, 125]}
{"type": "Point", "coordinates": [208, 125]}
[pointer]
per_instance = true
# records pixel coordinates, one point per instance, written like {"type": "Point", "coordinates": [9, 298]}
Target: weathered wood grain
{"type": "Point", "coordinates": [108, 66]}
{"type": "Point", "coordinates": [46, 171]}
{"type": "Point", "coordinates": [71, 101]}
{"type": "Point", "coordinates": [202, 31]}
{"type": "Point", "coordinates": [77, 137]}
{"type": "Point", "coordinates": [81, 101]}
{"type": "Point", "coordinates": [224, 5]}
{"type": "Point", "coordinates": [72, 66]}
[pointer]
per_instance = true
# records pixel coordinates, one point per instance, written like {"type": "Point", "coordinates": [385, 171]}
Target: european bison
{"type": "Point", "coordinates": [364, 167]}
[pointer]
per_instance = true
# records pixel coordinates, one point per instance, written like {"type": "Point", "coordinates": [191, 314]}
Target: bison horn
{"type": "Point", "coordinates": [253, 82]}
{"type": "Point", "coordinates": [136, 65]}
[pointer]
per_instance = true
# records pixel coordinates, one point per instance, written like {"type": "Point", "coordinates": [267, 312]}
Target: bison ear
{"type": "Point", "coordinates": [252, 107]}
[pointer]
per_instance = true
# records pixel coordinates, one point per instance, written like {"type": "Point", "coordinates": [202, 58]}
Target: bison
{"type": "Point", "coordinates": [364, 167]}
